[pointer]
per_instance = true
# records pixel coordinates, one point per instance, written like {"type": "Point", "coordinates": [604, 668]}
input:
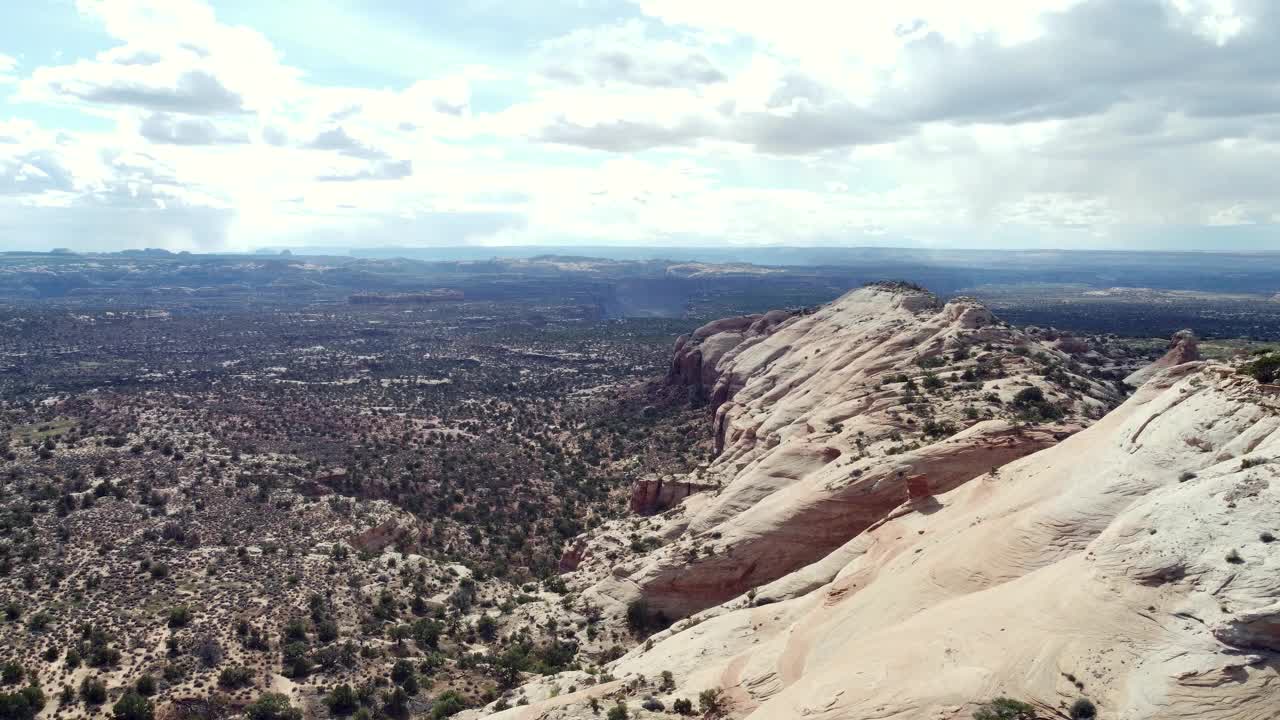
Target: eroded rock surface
{"type": "Point", "coordinates": [826, 421]}
{"type": "Point", "coordinates": [1134, 563]}
{"type": "Point", "coordinates": [1183, 348]}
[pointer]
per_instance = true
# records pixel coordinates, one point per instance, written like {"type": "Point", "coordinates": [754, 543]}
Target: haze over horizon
{"type": "Point", "coordinates": [233, 125]}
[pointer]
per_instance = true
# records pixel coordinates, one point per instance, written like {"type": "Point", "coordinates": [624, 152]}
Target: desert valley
{"type": "Point", "coordinates": [407, 502]}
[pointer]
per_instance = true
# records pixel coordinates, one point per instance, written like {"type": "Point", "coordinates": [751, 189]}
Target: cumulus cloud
{"type": "Point", "coordinates": [336, 138]}
{"type": "Point", "coordinates": [173, 56]}
{"type": "Point", "coordinates": [380, 170]}
{"type": "Point", "coordinates": [624, 135]}
{"type": "Point", "coordinates": [625, 54]}
{"type": "Point", "coordinates": [807, 121]}
{"type": "Point", "coordinates": [33, 172]}
{"type": "Point", "coordinates": [194, 91]}
{"type": "Point", "coordinates": [187, 130]}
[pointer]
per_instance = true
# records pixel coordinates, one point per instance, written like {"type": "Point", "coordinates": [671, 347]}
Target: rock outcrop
{"type": "Point", "coordinates": [1134, 563]}
{"type": "Point", "coordinates": [1183, 348]}
{"type": "Point", "coordinates": [826, 421]}
{"type": "Point", "coordinates": [655, 493]}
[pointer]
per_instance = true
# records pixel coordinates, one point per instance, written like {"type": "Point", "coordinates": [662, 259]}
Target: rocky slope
{"type": "Point", "coordinates": [1183, 348]}
{"type": "Point", "coordinates": [826, 421]}
{"type": "Point", "coordinates": [1133, 563]}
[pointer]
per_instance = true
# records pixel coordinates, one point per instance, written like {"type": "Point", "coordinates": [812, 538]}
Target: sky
{"type": "Point", "coordinates": [237, 124]}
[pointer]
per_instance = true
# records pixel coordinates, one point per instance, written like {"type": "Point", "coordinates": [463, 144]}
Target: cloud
{"type": "Point", "coordinates": [187, 130]}
{"type": "Point", "coordinates": [8, 64]}
{"type": "Point", "coordinates": [32, 172]}
{"type": "Point", "coordinates": [173, 56]}
{"type": "Point", "coordinates": [664, 121]}
{"type": "Point", "coordinates": [336, 138]}
{"type": "Point", "coordinates": [625, 54]}
{"type": "Point", "coordinates": [194, 91]}
{"type": "Point", "coordinates": [624, 135]}
{"type": "Point", "coordinates": [380, 170]}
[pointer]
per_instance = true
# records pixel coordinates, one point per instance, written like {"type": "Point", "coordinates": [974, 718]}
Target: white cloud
{"type": "Point", "coordinates": [8, 64]}
{"type": "Point", "coordinates": [174, 56]}
{"type": "Point", "coordinates": [801, 122]}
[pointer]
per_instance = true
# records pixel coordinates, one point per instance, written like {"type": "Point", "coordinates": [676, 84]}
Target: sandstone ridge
{"type": "Point", "coordinates": [1133, 563]}
{"type": "Point", "coordinates": [827, 420]}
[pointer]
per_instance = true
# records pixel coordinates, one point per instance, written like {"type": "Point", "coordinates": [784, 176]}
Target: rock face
{"type": "Point", "coordinates": [1134, 563]}
{"type": "Point", "coordinates": [826, 421]}
{"type": "Point", "coordinates": [1183, 348]}
{"type": "Point", "coordinates": [655, 494]}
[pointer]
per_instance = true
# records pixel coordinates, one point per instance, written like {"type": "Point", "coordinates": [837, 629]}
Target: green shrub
{"type": "Point", "coordinates": [1005, 709]}
{"type": "Point", "coordinates": [1083, 709]}
{"type": "Point", "coordinates": [133, 707]}
{"type": "Point", "coordinates": [236, 676]}
{"type": "Point", "coordinates": [1265, 369]}
{"type": "Point", "coordinates": [711, 701]}
{"type": "Point", "coordinates": [342, 700]}
{"type": "Point", "coordinates": [449, 703]}
{"type": "Point", "coordinates": [24, 704]}
{"type": "Point", "coordinates": [272, 706]}
{"type": "Point", "coordinates": [179, 616]}
{"type": "Point", "coordinates": [92, 691]}
{"type": "Point", "coordinates": [146, 686]}
{"type": "Point", "coordinates": [401, 671]}
{"type": "Point", "coordinates": [618, 712]}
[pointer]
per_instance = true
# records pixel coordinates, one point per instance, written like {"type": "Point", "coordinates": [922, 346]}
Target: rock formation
{"type": "Point", "coordinates": [1134, 564]}
{"type": "Point", "coordinates": [826, 421]}
{"type": "Point", "coordinates": [1183, 348]}
{"type": "Point", "coordinates": [654, 494]}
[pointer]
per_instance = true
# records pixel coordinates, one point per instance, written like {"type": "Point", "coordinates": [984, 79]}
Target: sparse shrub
{"type": "Point", "coordinates": [133, 706]}
{"type": "Point", "coordinates": [93, 691]}
{"type": "Point", "coordinates": [1246, 463]}
{"type": "Point", "coordinates": [448, 704]}
{"type": "Point", "coordinates": [146, 686]}
{"type": "Point", "coordinates": [342, 700]}
{"type": "Point", "coordinates": [295, 661]}
{"type": "Point", "coordinates": [487, 628]}
{"type": "Point", "coordinates": [1265, 369]}
{"type": "Point", "coordinates": [401, 671]}
{"type": "Point", "coordinates": [711, 701]}
{"type": "Point", "coordinates": [39, 622]}
{"type": "Point", "coordinates": [24, 704]}
{"type": "Point", "coordinates": [618, 712]}
{"type": "Point", "coordinates": [326, 631]}
{"type": "Point", "coordinates": [209, 651]}
{"type": "Point", "coordinates": [668, 682]}
{"type": "Point", "coordinates": [296, 630]}
{"type": "Point", "coordinates": [1267, 537]}
{"type": "Point", "coordinates": [1005, 709]}
{"type": "Point", "coordinates": [1186, 475]}
{"type": "Point", "coordinates": [179, 616]}
{"type": "Point", "coordinates": [234, 677]}
{"type": "Point", "coordinates": [396, 703]}
{"type": "Point", "coordinates": [1029, 396]}
{"type": "Point", "coordinates": [1083, 709]}
{"type": "Point", "coordinates": [1234, 558]}
{"type": "Point", "coordinates": [272, 706]}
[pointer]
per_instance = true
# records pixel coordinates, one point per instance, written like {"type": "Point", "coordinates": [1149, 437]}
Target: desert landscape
{"type": "Point", "coordinates": [426, 503]}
